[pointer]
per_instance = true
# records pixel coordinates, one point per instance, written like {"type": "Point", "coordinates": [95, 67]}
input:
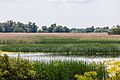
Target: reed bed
{"type": "Point", "coordinates": [49, 40]}
{"type": "Point", "coordinates": [56, 43]}
{"type": "Point", "coordinates": [53, 40]}
{"type": "Point", "coordinates": [58, 35]}
{"type": "Point", "coordinates": [90, 49]}
{"type": "Point", "coordinates": [66, 70]}
{"type": "Point", "coordinates": [19, 69]}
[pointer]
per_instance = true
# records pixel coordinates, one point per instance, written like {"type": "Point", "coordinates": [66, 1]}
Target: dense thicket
{"type": "Point", "coordinates": [11, 26]}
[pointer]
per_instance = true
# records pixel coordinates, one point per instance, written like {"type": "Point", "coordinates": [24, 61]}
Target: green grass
{"type": "Point", "coordinates": [66, 70]}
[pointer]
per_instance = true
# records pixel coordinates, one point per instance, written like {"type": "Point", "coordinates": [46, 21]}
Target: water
{"type": "Point", "coordinates": [47, 57]}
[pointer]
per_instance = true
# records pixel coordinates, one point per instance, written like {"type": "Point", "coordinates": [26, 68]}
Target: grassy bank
{"type": "Point", "coordinates": [19, 69]}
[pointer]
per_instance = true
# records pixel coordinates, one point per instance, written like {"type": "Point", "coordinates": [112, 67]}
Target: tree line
{"type": "Point", "coordinates": [31, 27]}
{"type": "Point", "coordinates": [59, 28]}
{"type": "Point", "coordinates": [11, 26]}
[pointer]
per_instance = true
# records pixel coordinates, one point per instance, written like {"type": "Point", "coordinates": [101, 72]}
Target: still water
{"type": "Point", "coordinates": [43, 57]}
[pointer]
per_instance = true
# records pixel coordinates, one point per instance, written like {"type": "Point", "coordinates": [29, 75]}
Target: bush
{"type": "Point", "coordinates": [92, 75]}
{"type": "Point", "coordinates": [16, 69]}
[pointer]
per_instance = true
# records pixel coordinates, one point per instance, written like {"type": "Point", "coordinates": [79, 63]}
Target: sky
{"type": "Point", "coordinates": [71, 13]}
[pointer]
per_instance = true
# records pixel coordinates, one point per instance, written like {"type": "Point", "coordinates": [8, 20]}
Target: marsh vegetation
{"type": "Point", "coordinates": [87, 45]}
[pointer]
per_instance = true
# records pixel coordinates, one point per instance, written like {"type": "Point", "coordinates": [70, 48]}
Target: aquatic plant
{"type": "Point", "coordinates": [65, 70]}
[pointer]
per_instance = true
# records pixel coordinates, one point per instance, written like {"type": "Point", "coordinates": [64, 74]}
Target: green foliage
{"type": "Point", "coordinates": [16, 69]}
{"type": "Point", "coordinates": [92, 75]}
{"type": "Point", "coordinates": [11, 26]}
{"type": "Point", "coordinates": [116, 77]}
{"type": "Point", "coordinates": [67, 46]}
{"type": "Point", "coordinates": [50, 29]}
{"type": "Point", "coordinates": [115, 30]}
{"type": "Point", "coordinates": [65, 70]}
{"type": "Point", "coordinates": [19, 69]}
{"type": "Point", "coordinates": [58, 29]}
{"type": "Point", "coordinates": [68, 49]}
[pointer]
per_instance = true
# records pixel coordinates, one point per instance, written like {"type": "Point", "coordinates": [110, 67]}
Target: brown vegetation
{"type": "Point", "coordinates": [28, 36]}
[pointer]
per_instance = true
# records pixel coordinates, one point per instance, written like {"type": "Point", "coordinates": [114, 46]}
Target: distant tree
{"type": "Point", "coordinates": [16, 29]}
{"type": "Point", "coordinates": [90, 29]}
{"type": "Point", "coordinates": [1, 28]}
{"type": "Point", "coordinates": [44, 29]}
{"type": "Point", "coordinates": [66, 29]}
{"type": "Point", "coordinates": [101, 30]}
{"type": "Point", "coordinates": [40, 31]}
{"type": "Point", "coordinates": [32, 27]}
{"type": "Point", "coordinates": [59, 29]}
{"type": "Point", "coordinates": [11, 26]}
{"type": "Point", "coordinates": [50, 29]}
{"type": "Point", "coordinates": [106, 27]}
{"type": "Point", "coordinates": [8, 26]}
{"type": "Point", "coordinates": [115, 30]}
{"type": "Point", "coordinates": [73, 30]}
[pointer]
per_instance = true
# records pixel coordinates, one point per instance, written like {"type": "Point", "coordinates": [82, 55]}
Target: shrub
{"type": "Point", "coordinates": [16, 69]}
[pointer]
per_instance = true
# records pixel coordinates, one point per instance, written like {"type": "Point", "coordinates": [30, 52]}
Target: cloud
{"type": "Point", "coordinates": [71, 1]}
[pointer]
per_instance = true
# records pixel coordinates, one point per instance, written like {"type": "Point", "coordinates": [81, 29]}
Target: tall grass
{"type": "Point", "coordinates": [69, 49]}
{"type": "Point", "coordinates": [66, 70]}
{"type": "Point", "coordinates": [49, 40]}
{"type": "Point", "coordinates": [52, 40]}
{"type": "Point", "coordinates": [69, 46]}
{"type": "Point", "coordinates": [19, 69]}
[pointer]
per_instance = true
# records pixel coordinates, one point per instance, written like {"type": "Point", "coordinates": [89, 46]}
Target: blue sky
{"type": "Point", "coordinates": [72, 13]}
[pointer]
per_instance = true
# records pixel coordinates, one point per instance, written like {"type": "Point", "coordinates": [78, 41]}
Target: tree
{"type": "Point", "coordinates": [90, 29]}
{"type": "Point", "coordinates": [66, 29]}
{"type": "Point", "coordinates": [44, 29]}
{"type": "Point", "coordinates": [1, 28]}
{"type": "Point", "coordinates": [115, 30]}
{"type": "Point", "coordinates": [32, 26]}
{"type": "Point", "coordinates": [11, 26]}
{"type": "Point", "coordinates": [50, 29]}
{"type": "Point", "coordinates": [58, 29]}
{"type": "Point", "coordinates": [8, 26]}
